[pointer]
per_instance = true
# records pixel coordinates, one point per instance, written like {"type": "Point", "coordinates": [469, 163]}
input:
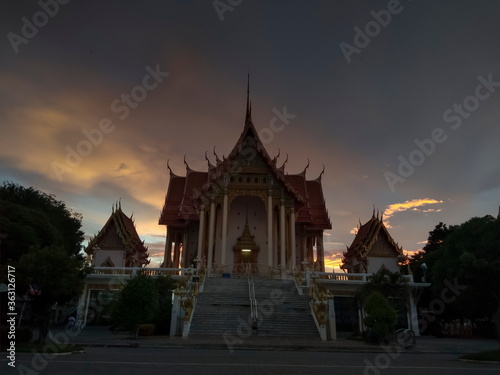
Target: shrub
{"type": "Point", "coordinates": [380, 319]}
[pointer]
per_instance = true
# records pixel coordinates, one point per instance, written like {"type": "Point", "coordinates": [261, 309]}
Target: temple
{"type": "Point", "coordinates": [244, 209]}
{"type": "Point", "coordinates": [117, 244]}
{"type": "Point", "coordinates": [373, 249]}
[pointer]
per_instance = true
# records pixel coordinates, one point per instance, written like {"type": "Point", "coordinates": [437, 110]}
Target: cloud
{"type": "Point", "coordinates": [410, 205]}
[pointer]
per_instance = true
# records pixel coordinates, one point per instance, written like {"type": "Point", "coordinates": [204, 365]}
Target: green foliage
{"type": "Point", "coordinates": [32, 218]}
{"type": "Point", "coordinates": [470, 253]}
{"type": "Point", "coordinates": [137, 303]}
{"type": "Point", "coordinates": [381, 317]}
{"type": "Point", "coordinates": [391, 285]}
{"type": "Point", "coordinates": [59, 276]}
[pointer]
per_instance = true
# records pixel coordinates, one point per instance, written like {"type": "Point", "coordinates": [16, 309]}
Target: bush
{"type": "Point", "coordinates": [381, 318]}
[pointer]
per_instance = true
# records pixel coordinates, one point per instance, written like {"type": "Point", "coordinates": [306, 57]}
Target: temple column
{"type": "Point", "coordinates": [201, 233]}
{"type": "Point", "coordinates": [292, 239]}
{"type": "Point", "coordinates": [167, 261]}
{"type": "Point", "coordinates": [224, 229]}
{"type": "Point", "coordinates": [177, 249]}
{"type": "Point", "coordinates": [303, 251]}
{"type": "Point", "coordinates": [320, 252]}
{"type": "Point", "coordinates": [269, 229]}
{"type": "Point", "coordinates": [282, 233]}
{"type": "Point", "coordinates": [185, 259]}
{"type": "Point", "coordinates": [211, 229]}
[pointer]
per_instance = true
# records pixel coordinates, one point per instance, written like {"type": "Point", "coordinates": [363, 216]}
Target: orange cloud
{"type": "Point", "coordinates": [413, 205]}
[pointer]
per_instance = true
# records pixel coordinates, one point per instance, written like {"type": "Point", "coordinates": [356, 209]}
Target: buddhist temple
{"type": "Point", "coordinates": [373, 248]}
{"type": "Point", "coordinates": [244, 209]}
{"type": "Point", "coordinates": [117, 244]}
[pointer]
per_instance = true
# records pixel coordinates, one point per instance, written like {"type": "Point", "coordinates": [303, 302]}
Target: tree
{"type": "Point", "coordinates": [381, 317]}
{"type": "Point", "coordinates": [391, 285]}
{"type": "Point", "coordinates": [136, 304]}
{"type": "Point", "coordinates": [31, 218]}
{"type": "Point", "coordinates": [471, 253]}
{"type": "Point", "coordinates": [43, 239]}
{"type": "Point", "coordinates": [57, 276]}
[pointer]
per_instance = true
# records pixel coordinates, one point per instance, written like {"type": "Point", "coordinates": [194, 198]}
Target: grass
{"type": "Point", "coordinates": [50, 348]}
{"type": "Point", "coordinates": [491, 355]}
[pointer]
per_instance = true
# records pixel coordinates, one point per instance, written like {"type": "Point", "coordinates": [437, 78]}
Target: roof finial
{"type": "Point", "coordinates": [248, 117]}
{"type": "Point", "coordinates": [217, 160]}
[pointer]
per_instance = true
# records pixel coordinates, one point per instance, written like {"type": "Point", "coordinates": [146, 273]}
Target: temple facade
{"type": "Point", "coordinates": [117, 244]}
{"type": "Point", "coordinates": [244, 209]}
{"type": "Point", "coordinates": [373, 249]}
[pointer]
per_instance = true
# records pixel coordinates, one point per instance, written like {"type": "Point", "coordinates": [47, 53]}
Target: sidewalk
{"type": "Point", "coordinates": [103, 337]}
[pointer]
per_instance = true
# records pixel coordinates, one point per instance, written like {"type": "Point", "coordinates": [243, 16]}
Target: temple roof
{"type": "Point", "coordinates": [196, 186]}
{"type": "Point", "coordinates": [372, 239]}
{"type": "Point", "coordinates": [120, 231]}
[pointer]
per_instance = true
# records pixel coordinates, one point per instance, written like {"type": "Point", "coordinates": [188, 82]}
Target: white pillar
{"type": "Point", "coordinates": [224, 230]}
{"type": "Point", "coordinates": [269, 229]}
{"type": "Point", "coordinates": [413, 314]}
{"type": "Point", "coordinates": [282, 233]}
{"type": "Point", "coordinates": [185, 250]}
{"type": "Point", "coordinates": [320, 253]}
{"type": "Point", "coordinates": [200, 233]}
{"type": "Point", "coordinates": [292, 239]}
{"type": "Point", "coordinates": [86, 310]}
{"type": "Point", "coordinates": [167, 259]}
{"type": "Point", "coordinates": [332, 322]}
{"type": "Point", "coordinates": [211, 227]}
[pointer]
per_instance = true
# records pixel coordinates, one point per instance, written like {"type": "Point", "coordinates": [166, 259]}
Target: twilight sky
{"type": "Point", "coordinates": [398, 99]}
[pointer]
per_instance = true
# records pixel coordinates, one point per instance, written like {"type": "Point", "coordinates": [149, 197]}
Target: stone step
{"type": "Point", "coordinates": [224, 306]}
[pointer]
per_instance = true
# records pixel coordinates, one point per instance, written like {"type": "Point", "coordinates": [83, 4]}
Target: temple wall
{"type": "Point", "coordinates": [374, 264]}
{"type": "Point", "coordinates": [116, 257]}
{"type": "Point", "coordinates": [257, 221]}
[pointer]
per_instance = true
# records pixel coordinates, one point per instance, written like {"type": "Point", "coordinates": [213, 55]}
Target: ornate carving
{"type": "Point", "coordinates": [111, 240]}
{"type": "Point", "coordinates": [259, 193]}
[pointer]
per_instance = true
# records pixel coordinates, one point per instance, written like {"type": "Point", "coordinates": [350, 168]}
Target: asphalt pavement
{"type": "Point", "coordinates": [103, 337]}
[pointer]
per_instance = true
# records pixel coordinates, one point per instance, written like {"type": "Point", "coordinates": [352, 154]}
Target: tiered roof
{"type": "Point", "coordinates": [118, 233]}
{"type": "Point", "coordinates": [372, 239]}
{"type": "Point", "coordinates": [185, 194]}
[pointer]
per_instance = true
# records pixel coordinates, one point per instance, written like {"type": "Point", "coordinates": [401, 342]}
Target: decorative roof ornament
{"type": "Point", "coordinates": [188, 168]}
{"type": "Point", "coordinates": [275, 159]}
{"type": "Point", "coordinates": [248, 115]}
{"type": "Point", "coordinates": [217, 160]}
{"type": "Point", "coordinates": [305, 169]}
{"type": "Point", "coordinates": [210, 165]}
{"type": "Point", "coordinates": [282, 168]}
{"type": "Point", "coordinates": [321, 174]}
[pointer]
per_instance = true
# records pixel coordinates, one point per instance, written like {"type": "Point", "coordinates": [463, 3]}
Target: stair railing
{"type": "Point", "coordinates": [253, 301]}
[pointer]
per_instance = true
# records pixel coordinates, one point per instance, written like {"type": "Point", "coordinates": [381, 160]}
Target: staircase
{"type": "Point", "coordinates": [224, 306]}
{"type": "Point", "coordinates": [283, 313]}
{"type": "Point", "coordinates": [220, 305]}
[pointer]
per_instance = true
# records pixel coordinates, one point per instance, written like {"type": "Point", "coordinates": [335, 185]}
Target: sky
{"type": "Point", "coordinates": [399, 100]}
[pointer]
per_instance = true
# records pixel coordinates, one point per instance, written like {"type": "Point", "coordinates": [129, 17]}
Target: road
{"type": "Point", "coordinates": [144, 361]}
